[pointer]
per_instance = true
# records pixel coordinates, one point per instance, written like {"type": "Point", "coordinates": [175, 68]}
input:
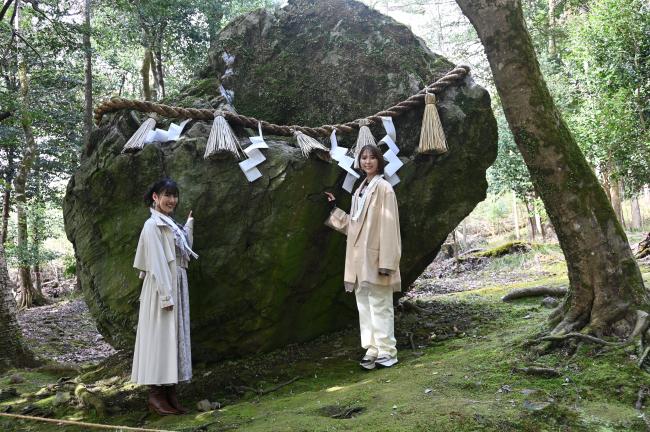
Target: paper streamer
{"type": "Point", "coordinates": [339, 154]}
{"type": "Point", "coordinates": [394, 162]}
{"type": "Point", "coordinates": [255, 156]}
{"type": "Point", "coordinates": [162, 135]}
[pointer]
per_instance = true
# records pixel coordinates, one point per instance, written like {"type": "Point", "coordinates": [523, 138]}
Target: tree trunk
{"type": "Point", "coordinates": [6, 205]}
{"type": "Point", "coordinates": [552, 47]}
{"type": "Point", "coordinates": [636, 213]}
{"type": "Point", "coordinates": [14, 353]}
{"type": "Point", "coordinates": [615, 193]}
{"type": "Point", "coordinates": [27, 293]}
{"type": "Point", "coordinates": [154, 74]}
{"type": "Point", "coordinates": [88, 87]}
{"type": "Point", "coordinates": [515, 214]}
{"type": "Point", "coordinates": [605, 281]}
{"type": "Point", "coordinates": [532, 226]}
{"type": "Point", "coordinates": [144, 71]}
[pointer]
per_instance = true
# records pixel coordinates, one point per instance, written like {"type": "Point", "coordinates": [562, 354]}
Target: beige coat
{"type": "Point", "coordinates": [373, 241]}
{"type": "Point", "coordinates": [162, 339]}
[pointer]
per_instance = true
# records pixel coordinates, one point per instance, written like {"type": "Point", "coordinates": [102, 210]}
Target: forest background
{"type": "Point", "coordinates": [60, 58]}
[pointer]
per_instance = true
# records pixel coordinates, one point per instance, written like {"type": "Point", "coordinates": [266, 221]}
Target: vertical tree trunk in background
{"type": "Point", "coordinates": [6, 205]}
{"type": "Point", "coordinates": [515, 214]}
{"type": "Point", "coordinates": [27, 293]}
{"type": "Point", "coordinates": [88, 85]}
{"type": "Point", "coordinates": [154, 74]}
{"type": "Point", "coordinates": [615, 193]}
{"type": "Point", "coordinates": [532, 226]}
{"type": "Point", "coordinates": [14, 352]}
{"type": "Point", "coordinates": [552, 48]}
{"type": "Point", "coordinates": [144, 71]}
{"type": "Point", "coordinates": [605, 283]}
{"type": "Point", "coordinates": [635, 211]}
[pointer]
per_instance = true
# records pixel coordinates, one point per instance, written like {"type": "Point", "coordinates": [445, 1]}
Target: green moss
{"type": "Point", "coordinates": [507, 248]}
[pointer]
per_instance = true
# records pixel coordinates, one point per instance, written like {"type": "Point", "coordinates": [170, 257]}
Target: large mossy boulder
{"type": "Point", "coordinates": [270, 273]}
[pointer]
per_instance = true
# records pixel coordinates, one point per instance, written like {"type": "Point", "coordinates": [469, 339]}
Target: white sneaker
{"type": "Point", "coordinates": [386, 361]}
{"type": "Point", "coordinates": [368, 362]}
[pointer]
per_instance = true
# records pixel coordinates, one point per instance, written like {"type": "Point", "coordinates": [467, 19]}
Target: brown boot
{"type": "Point", "coordinates": [172, 398]}
{"type": "Point", "coordinates": [157, 401]}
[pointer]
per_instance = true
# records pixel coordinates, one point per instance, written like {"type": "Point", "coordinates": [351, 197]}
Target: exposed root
{"type": "Point", "coordinates": [535, 292]}
{"type": "Point", "coordinates": [581, 336]}
{"type": "Point", "coordinates": [410, 307]}
{"type": "Point", "coordinates": [643, 356]}
{"type": "Point", "coordinates": [539, 371]}
{"type": "Point", "coordinates": [643, 392]}
{"type": "Point", "coordinates": [262, 392]}
{"type": "Point", "coordinates": [278, 386]}
{"type": "Point", "coordinates": [643, 250]}
{"type": "Point", "coordinates": [641, 325]}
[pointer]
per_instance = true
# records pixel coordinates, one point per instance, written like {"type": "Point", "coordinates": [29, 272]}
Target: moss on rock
{"type": "Point", "coordinates": [270, 273]}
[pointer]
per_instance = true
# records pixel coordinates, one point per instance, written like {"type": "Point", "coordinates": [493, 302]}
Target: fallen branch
{"type": "Point", "coordinates": [278, 387]}
{"type": "Point", "coordinates": [534, 292]}
{"type": "Point", "coordinates": [539, 371]}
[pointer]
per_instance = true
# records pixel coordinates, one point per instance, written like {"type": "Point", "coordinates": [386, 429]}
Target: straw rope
{"type": "Point", "coordinates": [81, 424]}
{"type": "Point", "coordinates": [450, 78]}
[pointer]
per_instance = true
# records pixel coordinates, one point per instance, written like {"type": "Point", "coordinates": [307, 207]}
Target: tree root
{"type": "Point", "coordinates": [581, 336]}
{"type": "Point", "coordinates": [640, 397]}
{"type": "Point", "coordinates": [534, 292]}
{"type": "Point", "coordinates": [262, 392]}
{"type": "Point", "coordinates": [539, 371]}
{"type": "Point", "coordinates": [278, 386]}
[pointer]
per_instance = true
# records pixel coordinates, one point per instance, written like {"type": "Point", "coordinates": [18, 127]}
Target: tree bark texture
{"type": "Point", "coordinates": [13, 352]}
{"type": "Point", "coordinates": [605, 281]}
{"type": "Point", "coordinates": [88, 86]}
{"type": "Point", "coordinates": [144, 71]}
{"type": "Point", "coordinates": [6, 205]}
{"type": "Point", "coordinates": [27, 292]}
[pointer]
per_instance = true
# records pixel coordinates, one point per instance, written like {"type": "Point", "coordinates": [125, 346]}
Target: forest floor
{"type": "Point", "coordinates": [460, 349]}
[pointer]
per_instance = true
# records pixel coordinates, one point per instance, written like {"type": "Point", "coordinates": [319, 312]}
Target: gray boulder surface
{"type": "Point", "coordinates": [270, 273]}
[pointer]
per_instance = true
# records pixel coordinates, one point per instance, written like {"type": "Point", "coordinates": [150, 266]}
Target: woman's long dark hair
{"type": "Point", "coordinates": [374, 150]}
{"type": "Point", "coordinates": [163, 185]}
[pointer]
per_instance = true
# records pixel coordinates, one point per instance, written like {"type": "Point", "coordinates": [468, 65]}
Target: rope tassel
{"type": "Point", "coordinates": [222, 138]}
{"type": "Point", "coordinates": [136, 142]}
{"type": "Point", "coordinates": [365, 138]}
{"type": "Point", "coordinates": [432, 136]}
{"type": "Point", "coordinates": [307, 143]}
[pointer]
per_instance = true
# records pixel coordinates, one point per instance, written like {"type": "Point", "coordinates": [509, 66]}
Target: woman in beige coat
{"type": "Point", "coordinates": [372, 257]}
{"type": "Point", "coordinates": [162, 355]}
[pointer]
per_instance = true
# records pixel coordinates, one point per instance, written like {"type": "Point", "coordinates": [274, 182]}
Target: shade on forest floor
{"type": "Point", "coordinates": [467, 382]}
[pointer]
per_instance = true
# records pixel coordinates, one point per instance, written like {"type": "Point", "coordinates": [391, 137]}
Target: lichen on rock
{"type": "Point", "coordinates": [270, 273]}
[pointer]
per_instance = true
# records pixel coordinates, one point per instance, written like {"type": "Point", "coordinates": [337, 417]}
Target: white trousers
{"type": "Point", "coordinates": [376, 320]}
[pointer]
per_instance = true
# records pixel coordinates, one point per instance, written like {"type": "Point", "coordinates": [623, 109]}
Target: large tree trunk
{"type": "Point", "coordinates": [13, 352]}
{"type": "Point", "coordinates": [28, 294]}
{"type": "Point", "coordinates": [605, 281]}
{"type": "Point", "coordinates": [88, 86]}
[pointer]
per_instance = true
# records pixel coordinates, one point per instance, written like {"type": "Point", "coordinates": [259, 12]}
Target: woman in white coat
{"type": "Point", "coordinates": [372, 257]}
{"type": "Point", "coordinates": [162, 356]}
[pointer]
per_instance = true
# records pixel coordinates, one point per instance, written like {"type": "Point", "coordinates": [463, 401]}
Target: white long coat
{"type": "Point", "coordinates": [156, 354]}
{"type": "Point", "coordinates": [374, 240]}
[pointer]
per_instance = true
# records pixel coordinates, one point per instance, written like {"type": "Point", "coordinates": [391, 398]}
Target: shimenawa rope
{"type": "Point", "coordinates": [452, 77]}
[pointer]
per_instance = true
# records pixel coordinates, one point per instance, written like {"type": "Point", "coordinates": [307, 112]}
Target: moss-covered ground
{"type": "Point", "coordinates": [468, 381]}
